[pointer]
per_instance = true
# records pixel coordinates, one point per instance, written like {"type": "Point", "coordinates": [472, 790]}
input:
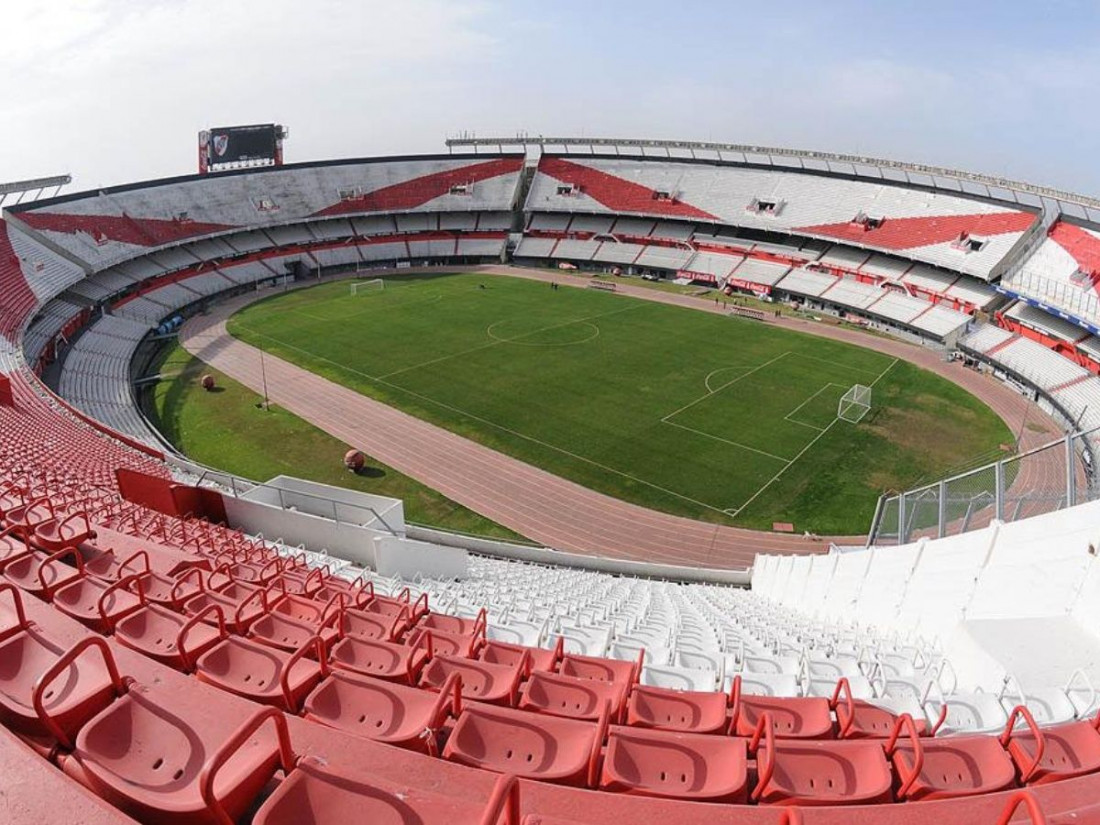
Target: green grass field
{"type": "Point", "coordinates": [227, 429]}
{"type": "Point", "coordinates": [711, 417]}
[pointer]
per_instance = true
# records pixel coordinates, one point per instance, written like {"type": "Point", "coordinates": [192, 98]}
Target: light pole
{"type": "Point", "coordinates": [263, 377]}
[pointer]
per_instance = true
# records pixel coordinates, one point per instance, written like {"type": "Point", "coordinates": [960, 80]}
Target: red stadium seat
{"type": "Point", "coordinates": [98, 604]}
{"type": "Point", "coordinates": [11, 546]}
{"type": "Point", "coordinates": [676, 710]}
{"type": "Point", "coordinates": [571, 697]}
{"type": "Point", "coordinates": [323, 795]}
{"type": "Point", "coordinates": [390, 606]}
{"type": "Point", "coordinates": [798, 772]}
{"type": "Point", "coordinates": [57, 533]}
{"type": "Point", "coordinates": [529, 745]}
{"type": "Point", "coordinates": [465, 645]}
{"type": "Point", "coordinates": [384, 711]}
{"type": "Point", "coordinates": [169, 637]}
{"type": "Point", "coordinates": [481, 681]}
{"type": "Point", "coordinates": [860, 719]}
{"type": "Point", "coordinates": [41, 574]}
{"type": "Point", "coordinates": [947, 767]}
{"type": "Point", "coordinates": [262, 673]}
{"type": "Point", "coordinates": [106, 565]}
{"type": "Point", "coordinates": [621, 672]}
{"type": "Point", "coordinates": [437, 622]}
{"type": "Point", "coordinates": [538, 658]}
{"type": "Point", "coordinates": [240, 604]}
{"type": "Point", "coordinates": [677, 765]}
{"type": "Point", "coordinates": [793, 717]}
{"type": "Point", "coordinates": [1044, 755]}
{"type": "Point", "coordinates": [34, 698]}
{"type": "Point", "coordinates": [287, 630]}
{"type": "Point", "coordinates": [26, 517]}
{"type": "Point", "coordinates": [143, 758]}
{"type": "Point", "coordinates": [383, 660]}
{"type": "Point", "coordinates": [383, 627]}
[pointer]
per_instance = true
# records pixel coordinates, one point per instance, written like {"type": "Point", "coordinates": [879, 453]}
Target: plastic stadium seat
{"type": "Point", "coordinates": [36, 701]}
{"type": "Point", "coordinates": [262, 673]}
{"type": "Point", "coordinates": [795, 772]}
{"type": "Point", "coordinates": [529, 745]}
{"type": "Point", "coordinates": [538, 658]}
{"type": "Point", "coordinates": [465, 645]}
{"type": "Point", "coordinates": [793, 717]}
{"type": "Point", "coordinates": [481, 681]}
{"type": "Point", "coordinates": [305, 610]}
{"type": "Point", "coordinates": [765, 684]}
{"type": "Point", "coordinates": [57, 533]}
{"type": "Point", "coordinates": [677, 678]}
{"type": "Point", "coordinates": [12, 617]}
{"type": "Point", "coordinates": [517, 632]}
{"type": "Point", "coordinates": [323, 795]}
{"type": "Point", "coordinates": [947, 767]}
{"type": "Point", "coordinates": [438, 622]}
{"type": "Point", "coordinates": [171, 638]}
{"type": "Point", "coordinates": [859, 719]}
{"type": "Point", "coordinates": [1049, 754]}
{"type": "Point", "coordinates": [571, 697]}
{"type": "Point", "coordinates": [390, 606]}
{"type": "Point", "coordinates": [106, 565]}
{"type": "Point", "coordinates": [621, 672]}
{"type": "Point", "coordinates": [384, 711]}
{"type": "Point", "coordinates": [99, 605]}
{"type": "Point", "coordinates": [382, 627]}
{"type": "Point", "coordinates": [240, 604]}
{"type": "Point", "coordinates": [143, 758]}
{"type": "Point", "coordinates": [383, 660]}
{"type": "Point", "coordinates": [677, 765]}
{"type": "Point", "coordinates": [11, 546]}
{"type": "Point", "coordinates": [41, 575]}
{"type": "Point", "coordinates": [280, 631]}
{"type": "Point", "coordinates": [28, 516]}
{"type": "Point", "coordinates": [684, 711]}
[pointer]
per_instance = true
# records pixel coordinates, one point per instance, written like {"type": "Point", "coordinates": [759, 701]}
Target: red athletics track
{"type": "Point", "coordinates": [544, 507]}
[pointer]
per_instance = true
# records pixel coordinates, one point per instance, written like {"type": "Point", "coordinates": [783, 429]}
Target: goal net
{"type": "Point", "coordinates": [855, 404]}
{"type": "Point", "coordinates": [372, 285]}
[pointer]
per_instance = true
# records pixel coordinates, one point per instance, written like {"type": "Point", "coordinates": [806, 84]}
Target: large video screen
{"type": "Point", "coordinates": [234, 144]}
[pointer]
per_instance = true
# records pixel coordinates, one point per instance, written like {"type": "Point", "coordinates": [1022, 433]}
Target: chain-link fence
{"type": "Point", "coordinates": [1051, 477]}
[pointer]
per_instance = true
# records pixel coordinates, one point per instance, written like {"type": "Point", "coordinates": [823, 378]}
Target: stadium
{"type": "Point", "coordinates": [549, 480]}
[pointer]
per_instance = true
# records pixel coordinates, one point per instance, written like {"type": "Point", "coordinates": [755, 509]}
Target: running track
{"type": "Point", "coordinates": [544, 507]}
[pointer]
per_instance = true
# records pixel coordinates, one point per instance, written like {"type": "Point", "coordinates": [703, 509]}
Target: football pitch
{"type": "Point", "coordinates": [712, 417]}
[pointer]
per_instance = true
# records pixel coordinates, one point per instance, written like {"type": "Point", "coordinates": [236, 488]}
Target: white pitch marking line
{"type": "Point", "coordinates": [493, 424]}
{"type": "Point", "coordinates": [837, 364]}
{"type": "Point", "coordinates": [712, 373]}
{"type": "Point", "coordinates": [496, 341]}
{"type": "Point", "coordinates": [728, 441]}
{"type": "Point", "coordinates": [787, 417]}
{"type": "Point", "coordinates": [723, 386]}
{"type": "Point", "coordinates": [775, 478]}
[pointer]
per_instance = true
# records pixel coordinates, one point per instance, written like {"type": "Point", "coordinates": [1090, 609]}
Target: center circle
{"type": "Point", "coordinates": [517, 332]}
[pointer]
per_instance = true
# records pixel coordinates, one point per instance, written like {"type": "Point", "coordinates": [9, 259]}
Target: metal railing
{"type": "Point", "coordinates": [339, 512]}
{"type": "Point", "coordinates": [1047, 478]}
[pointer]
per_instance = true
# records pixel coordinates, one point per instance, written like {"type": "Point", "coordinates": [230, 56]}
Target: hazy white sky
{"type": "Point", "coordinates": [116, 90]}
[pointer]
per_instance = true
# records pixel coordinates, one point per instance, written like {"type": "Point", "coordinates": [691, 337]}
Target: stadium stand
{"type": "Point", "coordinates": [177, 669]}
{"type": "Point", "coordinates": [924, 226]}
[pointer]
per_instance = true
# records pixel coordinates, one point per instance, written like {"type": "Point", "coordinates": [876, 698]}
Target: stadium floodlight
{"type": "Point", "coordinates": [373, 285]}
{"type": "Point", "coordinates": [855, 404]}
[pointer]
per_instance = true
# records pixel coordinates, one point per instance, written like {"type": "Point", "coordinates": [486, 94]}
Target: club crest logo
{"type": "Point", "coordinates": [221, 143]}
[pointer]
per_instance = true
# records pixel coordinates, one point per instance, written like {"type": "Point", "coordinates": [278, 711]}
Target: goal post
{"type": "Point", "coordinates": [854, 404]}
{"type": "Point", "coordinates": [372, 285]}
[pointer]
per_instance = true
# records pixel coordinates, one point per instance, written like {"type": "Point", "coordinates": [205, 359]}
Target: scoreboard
{"type": "Point", "coordinates": [240, 147]}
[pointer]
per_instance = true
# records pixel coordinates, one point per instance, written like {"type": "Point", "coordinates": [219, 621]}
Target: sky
{"type": "Point", "coordinates": [112, 91]}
